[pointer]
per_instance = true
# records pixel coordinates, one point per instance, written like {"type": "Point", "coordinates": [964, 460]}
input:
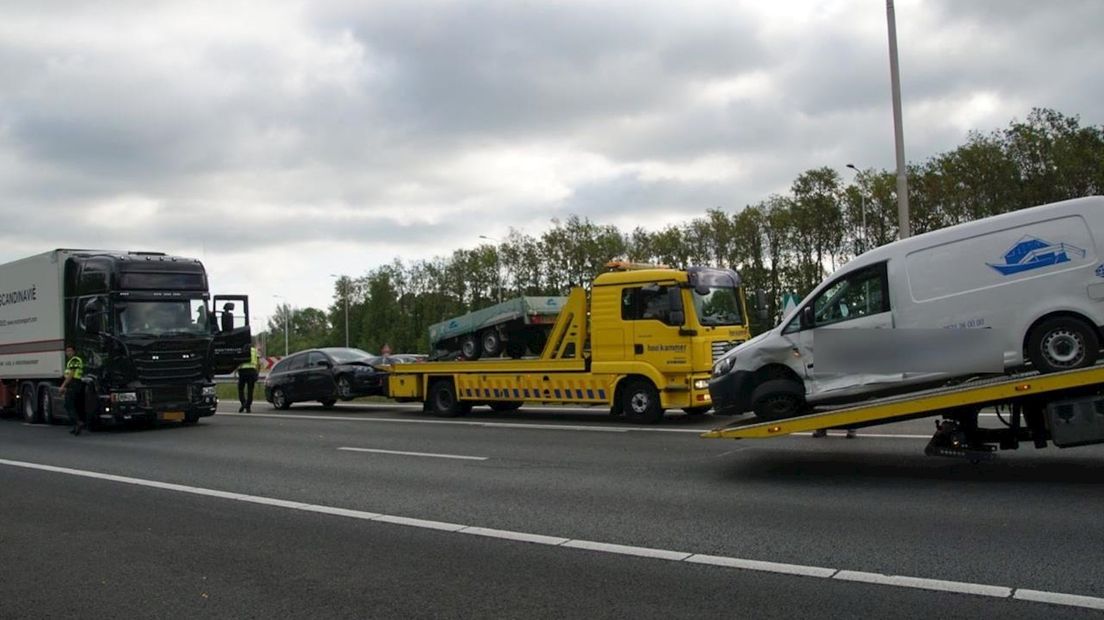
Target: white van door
{"type": "Point", "coordinates": [859, 299]}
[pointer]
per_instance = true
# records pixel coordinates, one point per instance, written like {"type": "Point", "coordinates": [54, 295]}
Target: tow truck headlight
{"type": "Point", "coordinates": [124, 397]}
{"type": "Point", "coordinates": [208, 391]}
{"type": "Point", "coordinates": [722, 366]}
{"type": "Point", "coordinates": [701, 384]}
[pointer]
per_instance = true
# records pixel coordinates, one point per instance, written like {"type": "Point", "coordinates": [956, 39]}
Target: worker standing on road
{"type": "Point", "coordinates": [71, 387]}
{"type": "Point", "coordinates": [247, 378]}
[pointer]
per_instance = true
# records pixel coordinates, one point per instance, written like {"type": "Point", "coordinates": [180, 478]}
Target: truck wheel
{"type": "Point", "coordinates": [30, 403]}
{"type": "Point", "coordinates": [1062, 343]}
{"type": "Point", "coordinates": [469, 348]}
{"type": "Point", "coordinates": [503, 406]}
{"type": "Point", "coordinates": [640, 402]}
{"type": "Point", "coordinates": [46, 405]}
{"type": "Point", "coordinates": [778, 399]}
{"type": "Point", "coordinates": [492, 342]}
{"type": "Point", "coordinates": [697, 410]}
{"type": "Point", "coordinates": [443, 401]}
{"type": "Point", "coordinates": [280, 399]}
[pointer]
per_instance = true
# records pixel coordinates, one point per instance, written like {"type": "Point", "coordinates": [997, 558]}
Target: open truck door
{"type": "Point", "coordinates": [232, 335]}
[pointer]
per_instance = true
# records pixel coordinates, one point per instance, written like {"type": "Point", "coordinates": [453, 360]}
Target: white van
{"type": "Point", "coordinates": [1033, 280]}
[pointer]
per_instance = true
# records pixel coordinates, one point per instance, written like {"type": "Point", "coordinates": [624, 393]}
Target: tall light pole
{"type": "Point", "coordinates": [898, 132]}
{"type": "Point", "coordinates": [862, 196]}
{"type": "Point", "coordinates": [345, 294]}
{"type": "Point", "coordinates": [498, 266]}
{"type": "Point", "coordinates": [287, 321]}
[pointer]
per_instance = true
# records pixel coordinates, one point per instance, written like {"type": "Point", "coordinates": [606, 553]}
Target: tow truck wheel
{"type": "Point", "coordinates": [492, 343]}
{"type": "Point", "coordinates": [1062, 343]}
{"type": "Point", "coordinates": [469, 348]}
{"type": "Point", "coordinates": [778, 399]}
{"type": "Point", "coordinates": [640, 402]}
{"type": "Point", "coordinates": [443, 401]}
{"type": "Point", "coordinates": [30, 403]}
{"type": "Point", "coordinates": [280, 399]}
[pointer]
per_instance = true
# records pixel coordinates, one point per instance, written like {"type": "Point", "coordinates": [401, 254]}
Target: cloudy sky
{"type": "Point", "coordinates": [284, 141]}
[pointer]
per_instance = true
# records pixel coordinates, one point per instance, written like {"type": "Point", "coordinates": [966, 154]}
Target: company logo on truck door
{"type": "Point", "coordinates": [666, 348]}
{"type": "Point", "coordinates": [17, 297]}
{"type": "Point", "coordinates": [1034, 253]}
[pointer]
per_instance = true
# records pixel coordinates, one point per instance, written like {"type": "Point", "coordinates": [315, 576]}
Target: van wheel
{"type": "Point", "coordinates": [443, 401]}
{"type": "Point", "coordinates": [640, 402]}
{"type": "Point", "coordinates": [1062, 343]}
{"type": "Point", "coordinates": [30, 403]}
{"type": "Point", "coordinates": [469, 347]}
{"type": "Point", "coordinates": [778, 399]}
{"type": "Point", "coordinates": [492, 343]}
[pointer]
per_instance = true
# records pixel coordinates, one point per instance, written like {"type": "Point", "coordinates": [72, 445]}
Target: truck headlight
{"type": "Point", "coordinates": [701, 384]}
{"type": "Point", "coordinates": [124, 397]}
{"type": "Point", "coordinates": [208, 391]}
{"type": "Point", "coordinates": [722, 366]}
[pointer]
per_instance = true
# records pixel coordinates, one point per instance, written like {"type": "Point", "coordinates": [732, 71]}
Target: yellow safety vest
{"type": "Point", "coordinates": [254, 360]}
{"type": "Point", "coordinates": [74, 367]}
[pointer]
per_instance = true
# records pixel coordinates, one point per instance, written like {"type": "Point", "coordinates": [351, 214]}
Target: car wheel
{"type": "Point", "coordinates": [697, 410]}
{"type": "Point", "coordinates": [30, 403]}
{"type": "Point", "coordinates": [1062, 343]}
{"type": "Point", "coordinates": [469, 348]}
{"type": "Point", "coordinates": [640, 402]}
{"type": "Point", "coordinates": [328, 404]}
{"type": "Point", "coordinates": [778, 399]}
{"type": "Point", "coordinates": [280, 399]}
{"type": "Point", "coordinates": [344, 388]}
{"type": "Point", "coordinates": [491, 341]}
{"type": "Point", "coordinates": [443, 401]}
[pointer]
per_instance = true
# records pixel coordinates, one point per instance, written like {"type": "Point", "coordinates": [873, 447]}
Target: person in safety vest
{"type": "Point", "coordinates": [247, 378]}
{"type": "Point", "coordinates": [71, 387]}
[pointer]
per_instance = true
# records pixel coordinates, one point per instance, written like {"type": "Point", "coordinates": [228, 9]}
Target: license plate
{"type": "Point", "coordinates": [172, 416]}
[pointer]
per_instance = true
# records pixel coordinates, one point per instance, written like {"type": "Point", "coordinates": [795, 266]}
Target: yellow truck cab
{"type": "Point", "coordinates": [643, 341]}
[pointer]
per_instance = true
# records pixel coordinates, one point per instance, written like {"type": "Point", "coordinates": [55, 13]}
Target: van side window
{"type": "Point", "coordinates": [857, 294]}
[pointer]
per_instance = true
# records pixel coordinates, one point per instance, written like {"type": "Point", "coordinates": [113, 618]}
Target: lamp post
{"type": "Point", "coordinates": [898, 131]}
{"type": "Point", "coordinates": [345, 294]}
{"type": "Point", "coordinates": [498, 266]}
{"type": "Point", "coordinates": [287, 321]}
{"type": "Point", "coordinates": [862, 197]}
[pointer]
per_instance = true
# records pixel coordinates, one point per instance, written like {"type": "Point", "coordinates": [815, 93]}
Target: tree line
{"type": "Point", "coordinates": [785, 243]}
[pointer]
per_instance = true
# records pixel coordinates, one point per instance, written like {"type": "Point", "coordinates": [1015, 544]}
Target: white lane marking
{"type": "Point", "coordinates": [900, 581]}
{"type": "Point", "coordinates": [924, 584]}
{"type": "Point", "coordinates": [1057, 598]}
{"type": "Point", "coordinates": [534, 426]}
{"type": "Point", "coordinates": [427, 454]}
{"type": "Point", "coordinates": [859, 434]}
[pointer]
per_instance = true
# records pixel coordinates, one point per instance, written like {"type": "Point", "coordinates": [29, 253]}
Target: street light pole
{"type": "Point", "coordinates": [287, 321]}
{"type": "Point", "coordinates": [498, 266]}
{"type": "Point", "coordinates": [345, 294]}
{"type": "Point", "coordinates": [862, 197]}
{"type": "Point", "coordinates": [898, 131]}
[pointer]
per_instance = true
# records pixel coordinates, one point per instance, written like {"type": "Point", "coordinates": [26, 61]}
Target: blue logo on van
{"type": "Point", "coordinates": [1100, 270]}
{"type": "Point", "coordinates": [1034, 253]}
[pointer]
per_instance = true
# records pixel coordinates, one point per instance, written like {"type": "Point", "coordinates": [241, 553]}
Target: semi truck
{"type": "Point", "coordinates": [515, 327]}
{"type": "Point", "coordinates": [641, 341]}
{"type": "Point", "coordinates": [144, 323]}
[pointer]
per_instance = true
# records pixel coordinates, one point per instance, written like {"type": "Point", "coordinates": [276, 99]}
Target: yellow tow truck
{"type": "Point", "coordinates": [641, 342]}
{"type": "Point", "coordinates": [1063, 408]}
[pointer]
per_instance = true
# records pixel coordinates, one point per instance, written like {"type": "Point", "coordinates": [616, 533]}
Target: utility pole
{"type": "Point", "coordinates": [898, 131]}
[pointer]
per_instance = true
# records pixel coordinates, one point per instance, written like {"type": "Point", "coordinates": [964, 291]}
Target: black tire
{"type": "Point", "coordinates": [1062, 343]}
{"type": "Point", "coordinates": [503, 406]}
{"type": "Point", "coordinates": [778, 399]}
{"type": "Point", "coordinates": [344, 388]}
{"type": "Point", "coordinates": [29, 403]}
{"type": "Point", "coordinates": [491, 342]}
{"type": "Point", "coordinates": [537, 339]}
{"type": "Point", "coordinates": [696, 411]}
{"type": "Point", "coordinates": [469, 348]}
{"type": "Point", "coordinates": [280, 399]}
{"type": "Point", "coordinates": [640, 402]}
{"type": "Point", "coordinates": [328, 404]}
{"type": "Point", "coordinates": [443, 401]}
{"type": "Point", "coordinates": [46, 405]}
{"type": "Point", "coordinates": [515, 348]}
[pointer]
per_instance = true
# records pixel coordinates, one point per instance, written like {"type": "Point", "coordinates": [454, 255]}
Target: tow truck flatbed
{"type": "Point", "coordinates": [1045, 401]}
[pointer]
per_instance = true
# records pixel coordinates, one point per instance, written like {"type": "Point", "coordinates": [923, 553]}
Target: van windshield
{"type": "Point", "coordinates": [720, 306]}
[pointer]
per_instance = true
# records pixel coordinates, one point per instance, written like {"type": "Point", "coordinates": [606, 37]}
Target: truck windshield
{"type": "Point", "coordinates": [720, 306]}
{"type": "Point", "coordinates": [156, 318]}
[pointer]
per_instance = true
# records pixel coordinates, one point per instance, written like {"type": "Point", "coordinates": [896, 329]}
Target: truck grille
{"type": "Point", "coordinates": [170, 365]}
{"type": "Point", "coordinates": [165, 395]}
{"type": "Point", "coordinates": [722, 346]}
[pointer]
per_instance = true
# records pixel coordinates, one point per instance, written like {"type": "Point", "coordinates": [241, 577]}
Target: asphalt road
{"type": "Point", "coordinates": [382, 511]}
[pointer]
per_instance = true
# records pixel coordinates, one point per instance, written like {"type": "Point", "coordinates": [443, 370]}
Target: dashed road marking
{"type": "Point", "coordinates": [458, 457]}
{"type": "Point", "coordinates": [817, 572]}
